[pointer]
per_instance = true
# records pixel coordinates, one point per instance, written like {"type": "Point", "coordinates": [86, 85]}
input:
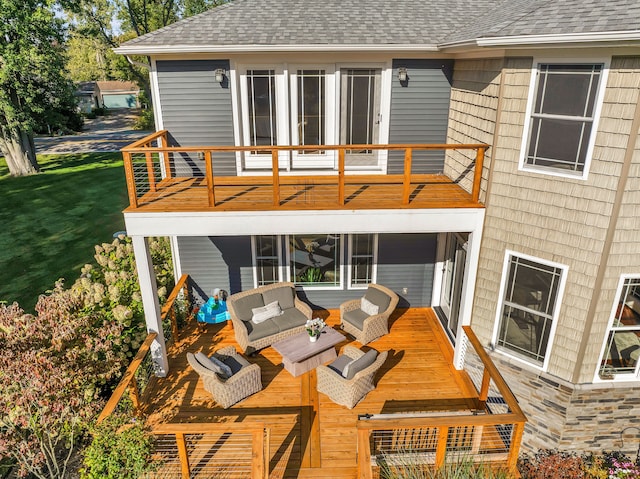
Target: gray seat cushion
{"type": "Point", "coordinates": [262, 330]}
{"type": "Point", "coordinates": [355, 318]}
{"type": "Point", "coordinates": [339, 363]}
{"type": "Point", "coordinates": [378, 298]}
{"type": "Point", "coordinates": [362, 363]}
{"type": "Point", "coordinates": [290, 318]}
{"type": "Point", "coordinates": [236, 363]}
{"type": "Point", "coordinates": [243, 306]}
{"type": "Point", "coordinates": [285, 296]}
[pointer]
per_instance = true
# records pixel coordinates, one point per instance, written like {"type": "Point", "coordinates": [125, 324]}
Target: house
{"type": "Point", "coordinates": [522, 223]}
{"type": "Point", "coordinates": [119, 94]}
{"type": "Point", "coordinates": [87, 93]}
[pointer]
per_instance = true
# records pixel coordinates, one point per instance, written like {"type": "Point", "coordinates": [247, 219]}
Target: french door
{"type": "Point", "coordinates": [453, 275]}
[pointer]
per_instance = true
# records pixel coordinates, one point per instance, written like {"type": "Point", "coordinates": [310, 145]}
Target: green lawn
{"type": "Point", "coordinates": [51, 221]}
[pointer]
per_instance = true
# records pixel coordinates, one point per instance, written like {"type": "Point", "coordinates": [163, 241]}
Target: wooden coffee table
{"type": "Point", "coordinates": [300, 355]}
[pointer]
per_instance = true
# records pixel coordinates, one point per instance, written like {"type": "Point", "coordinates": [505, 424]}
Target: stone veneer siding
{"type": "Point", "coordinates": [580, 418]}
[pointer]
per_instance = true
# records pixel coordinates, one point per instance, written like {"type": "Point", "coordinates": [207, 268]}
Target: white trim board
{"type": "Point", "coordinates": [240, 223]}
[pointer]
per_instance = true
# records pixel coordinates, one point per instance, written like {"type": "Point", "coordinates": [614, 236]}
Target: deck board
{"type": "Point", "coordinates": [310, 436]}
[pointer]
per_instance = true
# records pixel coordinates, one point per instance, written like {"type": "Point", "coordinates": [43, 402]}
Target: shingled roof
{"type": "Point", "coordinates": [414, 24]}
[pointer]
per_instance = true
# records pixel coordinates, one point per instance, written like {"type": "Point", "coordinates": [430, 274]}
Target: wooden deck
{"type": "Point", "coordinates": [304, 193]}
{"type": "Point", "coordinates": [310, 436]}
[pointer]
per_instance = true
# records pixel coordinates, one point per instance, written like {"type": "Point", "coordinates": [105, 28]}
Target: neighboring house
{"type": "Point", "coordinates": [119, 94]}
{"type": "Point", "coordinates": [545, 267]}
{"type": "Point", "coordinates": [88, 96]}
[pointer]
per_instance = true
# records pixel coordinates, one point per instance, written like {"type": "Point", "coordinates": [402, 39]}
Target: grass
{"type": "Point", "coordinates": [51, 221]}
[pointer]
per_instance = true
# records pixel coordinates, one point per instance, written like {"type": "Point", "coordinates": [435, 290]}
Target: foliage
{"type": "Point", "coordinates": [75, 203]}
{"type": "Point", "coordinates": [554, 464]}
{"type": "Point", "coordinates": [311, 275]}
{"type": "Point", "coordinates": [145, 121]}
{"type": "Point", "coordinates": [53, 365]}
{"type": "Point", "coordinates": [34, 93]}
{"type": "Point", "coordinates": [407, 466]}
{"type": "Point", "coordinates": [90, 59]}
{"type": "Point", "coordinates": [120, 449]}
{"type": "Point", "coordinates": [111, 287]}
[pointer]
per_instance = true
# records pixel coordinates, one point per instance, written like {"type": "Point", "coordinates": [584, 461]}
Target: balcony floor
{"type": "Point", "coordinates": [310, 435]}
{"type": "Point", "coordinates": [308, 192]}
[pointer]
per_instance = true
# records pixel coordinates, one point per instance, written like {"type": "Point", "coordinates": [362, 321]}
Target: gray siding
{"type": "Point", "coordinates": [197, 111]}
{"type": "Point", "coordinates": [404, 261]}
{"type": "Point", "coordinates": [420, 112]}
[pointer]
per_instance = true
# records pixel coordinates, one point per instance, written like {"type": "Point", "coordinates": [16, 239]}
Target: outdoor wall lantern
{"type": "Point", "coordinates": [219, 75]}
{"type": "Point", "coordinates": [402, 75]}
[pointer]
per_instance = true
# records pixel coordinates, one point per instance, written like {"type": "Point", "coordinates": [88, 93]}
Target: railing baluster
{"type": "Point", "coordinates": [276, 177]}
{"type": "Point", "coordinates": [484, 388]}
{"type": "Point", "coordinates": [209, 172]}
{"type": "Point", "coordinates": [257, 454]}
{"type": "Point", "coordinates": [341, 155]}
{"type": "Point", "coordinates": [181, 442]}
{"type": "Point", "coordinates": [134, 394]}
{"type": "Point", "coordinates": [130, 179]}
{"type": "Point", "coordinates": [406, 183]}
{"type": "Point", "coordinates": [477, 175]}
{"type": "Point", "coordinates": [441, 450]}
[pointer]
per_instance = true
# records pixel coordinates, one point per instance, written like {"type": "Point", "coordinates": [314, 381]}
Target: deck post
{"type": "Point", "coordinates": [209, 173]}
{"type": "Point", "coordinates": [484, 388]}
{"type": "Point", "coordinates": [183, 455]}
{"type": "Point", "coordinates": [477, 176]}
{"type": "Point", "coordinates": [406, 183]}
{"type": "Point", "coordinates": [134, 394]}
{"type": "Point", "coordinates": [441, 449]}
{"type": "Point", "coordinates": [364, 454]}
{"type": "Point", "coordinates": [341, 154]}
{"type": "Point", "coordinates": [150, 303]}
{"type": "Point", "coordinates": [130, 179]}
{"type": "Point", "coordinates": [514, 449]}
{"type": "Point", "coordinates": [276, 178]}
{"type": "Point", "coordinates": [257, 454]}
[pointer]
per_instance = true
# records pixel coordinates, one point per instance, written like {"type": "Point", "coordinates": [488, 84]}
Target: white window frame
{"type": "Point", "coordinates": [326, 159]}
{"type": "Point", "coordinates": [583, 175]}
{"type": "Point", "coordinates": [254, 257]}
{"type": "Point", "coordinates": [374, 259]}
{"type": "Point", "coordinates": [321, 286]}
{"type": "Point", "coordinates": [264, 161]}
{"type": "Point", "coordinates": [556, 308]}
{"type": "Point", "coordinates": [612, 316]}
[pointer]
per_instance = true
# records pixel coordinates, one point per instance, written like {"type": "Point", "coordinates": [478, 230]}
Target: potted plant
{"type": "Point", "coordinates": [314, 328]}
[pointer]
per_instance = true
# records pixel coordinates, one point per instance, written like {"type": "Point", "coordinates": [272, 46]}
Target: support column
{"type": "Point", "coordinates": [468, 290]}
{"type": "Point", "coordinates": [150, 303]}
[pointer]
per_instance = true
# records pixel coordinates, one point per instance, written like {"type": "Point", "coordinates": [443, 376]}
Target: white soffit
{"type": "Point", "coordinates": [301, 222]}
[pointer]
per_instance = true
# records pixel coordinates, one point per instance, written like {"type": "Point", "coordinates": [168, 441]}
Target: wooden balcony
{"type": "Point", "coordinates": [166, 179]}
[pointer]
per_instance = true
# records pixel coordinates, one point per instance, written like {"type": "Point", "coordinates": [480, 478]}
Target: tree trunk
{"type": "Point", "coordinates": [19, 152]}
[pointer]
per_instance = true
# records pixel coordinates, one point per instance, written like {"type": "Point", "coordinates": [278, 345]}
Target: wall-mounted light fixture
{"type": "Point", "coordinates": [219, 75]}
{"type": "Point", "coordinates": [402, 74]}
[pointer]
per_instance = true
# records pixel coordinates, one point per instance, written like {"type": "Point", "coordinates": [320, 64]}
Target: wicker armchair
{"type": "Point", "coordinates": [227, 392]}
{"type": "Point", "coordinates": [348, 392]}
{"type": "Point", "coordinates": [365, 328]}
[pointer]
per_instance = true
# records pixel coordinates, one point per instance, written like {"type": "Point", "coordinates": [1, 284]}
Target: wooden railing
{"type": "Point", "coordinates": [219, 449]}
{"type": "Point", "coordinates": [480, 435]}
{"type": "Point", "coordinates": [129, 381]}
{"type": "Point", "coordinates": [154, 166]}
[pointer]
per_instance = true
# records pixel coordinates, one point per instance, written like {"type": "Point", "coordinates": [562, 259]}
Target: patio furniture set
{"type": "Point", "coordinates": [273, 315]}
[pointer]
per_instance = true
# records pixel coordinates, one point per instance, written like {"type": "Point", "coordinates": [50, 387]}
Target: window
{"type": "Point", "coordinates": [315, 260]}
{"type": "Point", "coordinates": [261, 98]}
{"type": "Point", "coordinates": [362, 250]}
{"type": "Point", "coordinates": [622, 348]}
{"type": "Point", "coordinates": [311, 107]}
{"type": "Point", "coordinates": [266, 259]}
{"type": "Point", "coordinates": [360, 108]}
{"type": "Point", "coordinates": [530, 304]}
{"type": "Point", "coordinates": [562, 117]}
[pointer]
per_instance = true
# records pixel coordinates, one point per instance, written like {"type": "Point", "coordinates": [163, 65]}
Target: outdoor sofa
{"type": "Point", "coordinates": [257, 323]}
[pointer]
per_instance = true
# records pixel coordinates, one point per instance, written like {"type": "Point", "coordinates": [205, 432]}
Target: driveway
{"type": "Point", "coordinates": [104, 133]}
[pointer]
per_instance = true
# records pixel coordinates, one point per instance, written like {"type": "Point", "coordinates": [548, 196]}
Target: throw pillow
{"type": "Point", "coordinates": [347, 368]}
{"type": "Point", "coordinates": [269, 311]}
{"type": "Point", "coordinates": [362, 363]}
{"type": "Point", "coordinates": [368, 307]}
{"type": "Point", "coordinates": [213, 364]}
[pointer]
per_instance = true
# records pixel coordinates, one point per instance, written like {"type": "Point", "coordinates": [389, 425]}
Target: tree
{"type": "Point", "coordinates": [34, 92]}
{"type": "Point", "coordinates": [53, 366]}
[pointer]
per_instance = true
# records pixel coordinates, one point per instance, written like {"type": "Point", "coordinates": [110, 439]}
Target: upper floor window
{"type": "Point", "coordinates": [266, 259]}
{"type": "Point", "coordinates": [262, 106]}
{"type": "Point", "coordinates": [530, 304]}
{"type": "Point", "coordinates": [622, 347]}
{"type": "Point", "coordinates": [562, 118]}
{"type": "Point", "coordinates": [311, 107]}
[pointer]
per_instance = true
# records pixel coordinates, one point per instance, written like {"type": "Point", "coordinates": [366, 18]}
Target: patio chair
{"type": "Point", "coordinates": [349, 378]}
{"type": "Point", "coordinates": [227, 375]}
{"type": "Point", "coordinates": [368, 318]}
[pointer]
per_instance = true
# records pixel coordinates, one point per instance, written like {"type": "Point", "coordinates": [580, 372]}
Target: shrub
{"type": "Point", "coordinates": [551, 464]}
{"type": "Point", "coordinates": [121, 448]}
{"type": "Point", "coordinates": [145, 121]}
